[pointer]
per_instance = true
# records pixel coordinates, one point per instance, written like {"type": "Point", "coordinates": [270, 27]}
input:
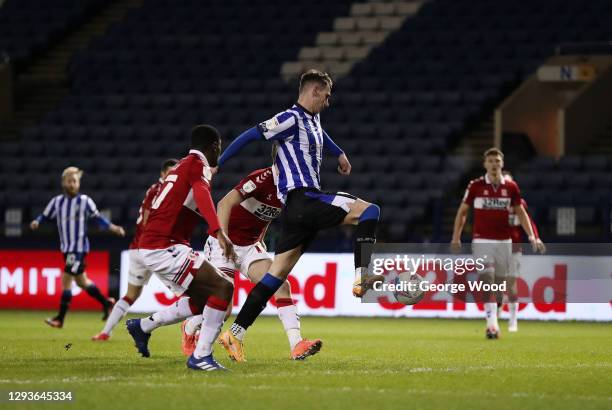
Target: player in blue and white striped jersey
{"type": "Point", "coordinates": [301, 140]}
{"type": "Point", "coordinates": [72, 210]}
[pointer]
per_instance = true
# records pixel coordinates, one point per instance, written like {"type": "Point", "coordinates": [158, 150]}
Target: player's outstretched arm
{"type": "Point", "coordinates": [117, 230]}
{"type": "Point", "coordinates": [250, 135]}
{"type": "Point", "coordinates": [48, 214]}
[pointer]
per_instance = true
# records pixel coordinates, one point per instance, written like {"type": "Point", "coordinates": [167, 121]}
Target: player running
{"type": "Point", "coordinates": [492, 196]}
{"type": "Point", "coordinates": [245, 213]}
{"type": "Point", "coordinates": [165, 249]}
{"type": "Point", "coordinates": [72, 210]}
{"type": "Point", "coordinates": [138, 275]}
{"type": "Point", "coordinates": [515, 264]}
{"type": "Point", "coordinates": [300, 139]}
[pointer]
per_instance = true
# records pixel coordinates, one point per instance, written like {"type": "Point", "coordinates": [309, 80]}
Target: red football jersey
{"type": "Point", "coordinates": [491, 207]}
{"type": "Point", "coordinates": [145, 206]}
{"type": "Point", "coordinates": [184, 198]}
{"type": "Point", "coordinates": [259, 207]}
{"type": "Point", "coordinates": [516, 229]}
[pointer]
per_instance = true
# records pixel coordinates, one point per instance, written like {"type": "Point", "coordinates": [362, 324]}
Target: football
{"type": "Point", "coordinates": [408, 291]}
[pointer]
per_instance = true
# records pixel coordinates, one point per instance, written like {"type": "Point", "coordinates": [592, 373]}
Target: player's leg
{"type": "Point", "coordinates": [490, 305]}
{"type": "Point", "coordinates": [192, 283]}
{"type": "Point", "coordinates": [215, 289]}
{"type": "Point", "coordinates": [257, 300]}
{"type": "Point", "coordinates": [138, 277]}
{"type": "Point", "coordinates": [287, 311]}
{"type": "Point", "coordinates": [513, 292]}
{"type": "Point", "coordinates": [486, 252]}
{"type": "Point", "coordinates": [119, 311]}
{"type": "Point", "coordinates": [66, 298]}
{"type": "Point", "coordinates": [92, 290]}
{"type": "Point", "coordinates": [185, 307]}
{"type": "Point", "coordinates": [257, 263]}
{"type": "Point", "coordinates": [365, 216]}
{"type": "Point", "coordinates": [213, 254]}
{"type": "Point", "coordinates": [176, 267]}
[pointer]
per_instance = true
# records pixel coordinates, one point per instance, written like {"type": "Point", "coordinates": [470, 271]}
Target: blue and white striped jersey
{"type": "Point", "coordinates": [300, 140]}
{"type": "Point", "coordinates": [72, 215]}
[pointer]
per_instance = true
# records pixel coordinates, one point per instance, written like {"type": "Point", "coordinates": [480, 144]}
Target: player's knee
{"type": "Point", "coordinates": [133, 293]}
{"type": "Point", "coordinates": [284, 292]}
{"type": "Point", "coordinates": [82, 282]}
{"type": "Point", "coordinates": [371, 211]}
{"type": "Point", "coordinates": [225, 289]}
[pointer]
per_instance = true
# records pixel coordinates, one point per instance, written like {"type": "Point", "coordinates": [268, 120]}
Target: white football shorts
{"type": "Point", "coordinates": [515, 264]}
{"type": "Point", "coordinates": [246, 255]}
{"type": "Point", "coordinates": [497, 255]}
{"type": "Point", "coordinates": [174, 266]}
{"type": "Point", "coordinates": [139, 274]}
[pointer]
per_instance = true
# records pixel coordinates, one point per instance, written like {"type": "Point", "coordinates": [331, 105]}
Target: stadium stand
{"type": "Point", "coordinates": [27, 27]}
{"type": "Point", "coordinates": [137, 90]}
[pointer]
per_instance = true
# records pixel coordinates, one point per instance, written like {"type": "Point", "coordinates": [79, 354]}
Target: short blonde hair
{"type": "Point", "coordinates": [493, 151]}
{"type": "Point", "coordinates": [315, 76]}
{"type": "Point", "coordinates": [70, 171]}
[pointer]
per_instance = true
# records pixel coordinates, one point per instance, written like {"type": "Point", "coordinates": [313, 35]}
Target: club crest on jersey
{"type": "Point", "coordinates": [486, 192]}
{"type": "Point", "coordinates": [504, 192]}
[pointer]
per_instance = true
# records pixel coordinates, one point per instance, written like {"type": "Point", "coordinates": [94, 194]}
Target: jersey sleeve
{"type": "Point", "coordinates": [147, 202]}
{"type": "Point", "coordinates": [251, 185]}
{"type": "Point", "coordinates": [279, 127]}
{"type": "Point", "coordinates": [199, 179]}
{"type": "Point", "coordinates": [468, 197]}
{"type": "Point", "coordinates": [93, 213]}
{"type": "Point", "coordinates": [49, 211]}
{"type": "Point", "coordinates": [330, 146]}
{"type": "Point", "coordinates": [515, 195]}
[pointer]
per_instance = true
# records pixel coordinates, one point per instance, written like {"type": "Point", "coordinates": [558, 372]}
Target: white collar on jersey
{"type": "Point", "coordinates": [199, 154]}
{"type": "Point", "coordinates": [488, 180]}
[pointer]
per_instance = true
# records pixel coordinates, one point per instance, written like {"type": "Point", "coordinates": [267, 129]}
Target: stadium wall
{"type": "Point", "coordinates": [321, 284]}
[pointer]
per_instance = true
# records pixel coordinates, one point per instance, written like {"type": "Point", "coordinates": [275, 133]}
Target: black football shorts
{"type": "Point", "coordinates": [74, 263]}
{"type": "Point", "coordinates": [307, 211]}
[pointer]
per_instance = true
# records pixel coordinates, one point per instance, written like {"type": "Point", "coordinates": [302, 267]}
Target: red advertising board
{"type": "Point", "coordinates": [32, 280]}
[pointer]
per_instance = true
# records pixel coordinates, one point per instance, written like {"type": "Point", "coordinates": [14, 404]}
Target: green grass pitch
{"type": "Point", "coordinates": [364, 363]}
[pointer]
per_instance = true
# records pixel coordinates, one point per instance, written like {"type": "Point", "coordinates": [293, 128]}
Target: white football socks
{"type": "Point", "coordinates": [491, 313]}
{"type": "Point", "coordinates": [169, 316]}
{"type": "Point", "coordinates": [513, 309]}
{"type": "Point", "coordinates": [211, 327]}
{"type": "Point", "coordinates": [358, 273]}
{"type": "Point", "coordinates": [119, 311]}
{"type": "Point", "coordinates": [291, 322]}
{"type": "Point", "coordinates": [193, 324]}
